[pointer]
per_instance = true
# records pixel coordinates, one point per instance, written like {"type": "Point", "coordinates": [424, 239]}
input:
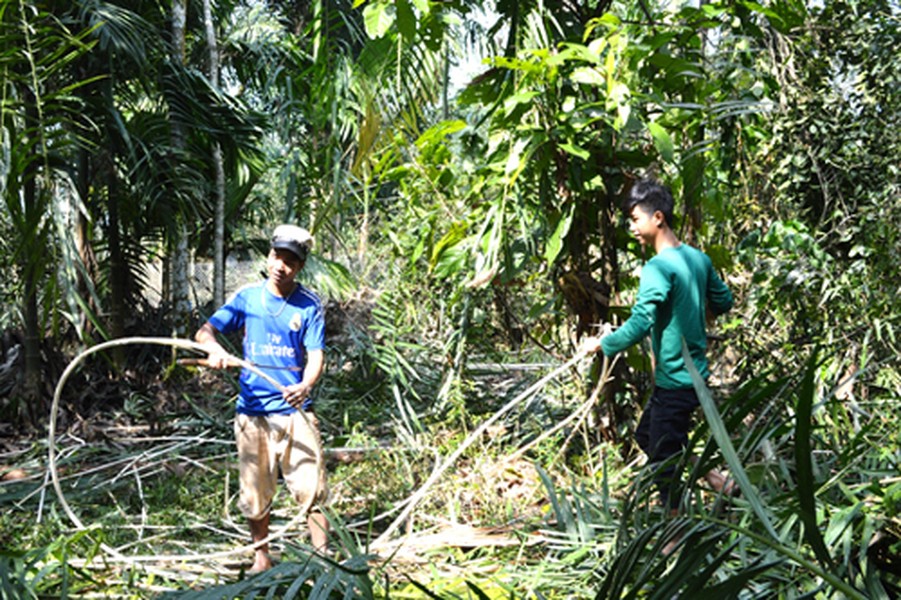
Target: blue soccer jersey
{"type": "Point", "coordinates": [277, 334]}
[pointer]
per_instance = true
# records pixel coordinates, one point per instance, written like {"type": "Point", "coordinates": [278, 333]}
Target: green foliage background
{"type": "Point", "coordinates": [461, 228]}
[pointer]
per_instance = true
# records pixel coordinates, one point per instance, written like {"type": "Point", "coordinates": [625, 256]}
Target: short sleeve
{"type": "Point", "coordinates": [231, 315]}
{"type": "Point", "coordinates": [314, 335]}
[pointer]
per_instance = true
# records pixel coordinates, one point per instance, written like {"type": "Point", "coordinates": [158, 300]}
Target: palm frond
{"type": "Point", "coordinates": [310, 577]}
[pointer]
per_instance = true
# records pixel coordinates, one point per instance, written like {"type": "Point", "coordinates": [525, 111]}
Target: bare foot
{"type": "Point", "coordinates": [318, 524]}
{"type": "Point", "coordinates": [731, 489]}
{"type": "Point", "coordinates": [675, 538]}
{"type": "Point", "coordinates": [671, 545]}
{"type": "Point", "coordinates": [261, 562]}
{"type": "Point", "coordinates": [722, 484]}
{"type": "Point", "coordinates": [259, 531]}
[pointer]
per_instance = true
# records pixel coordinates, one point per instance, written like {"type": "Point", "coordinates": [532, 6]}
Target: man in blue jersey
{"type": "Point", "coordinates": [275, 427]}
{"type": "Point", "coordinates": [677, 290]}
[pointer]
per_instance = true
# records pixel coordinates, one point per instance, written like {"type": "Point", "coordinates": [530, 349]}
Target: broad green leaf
{"type": "Point", "coordinates": [573, 52]}
{"type": "Point", "coordinates": [516, 100]}
{"type": "Point", "coordinates": [662, 141]}
{"type": "Point", "coordinates": [450, 261]}
{"type": "Point", "coordinates": [775, 18]}
{"type": "Point", "coordinates": [515, 157]}
{"type": "Point", "coordinates": [806, 486]}
{"type": "Point", "coordinates": [514, 64]}
{"type": "Point", "coordinates": [491, 240]}
{"type": "Point", "coordinates": [610, 20]}
{"type": "Point", "coordinates": [453, 236]}
{"type": "Point", "coordinates": [597, 46]}
{"type": "Point", "coordinates": [519, 158]}
{"type": "Point", "coordinates": [439, 131]}
{"type": "Point", "coordinates": [596, 183]}
{"type": "Point", "coordinates": [555, 242]}
{"type": "Point", "coordinates": [575, 150]}
{"type": "Point", "coordinates": [623, 111]}
{"type": "Point", "coordinates": [610, 68]}
{"type": "Point", "coordinates": [587, 75]}
{"type": "Point", "coordinates": [449, 253]}
{"type": "Point", "coordinates": [406, 20]}
{"type": "Point", "coordinates": [619, 92]}
{"type": "Point", "coordinates": [378, 18]}
{"type": "Point", "coordinates": [607, 21]}
{"type": "Point", "coordinates": [618, 95]}
{"type": "Point", "coordinates": [721, 435]}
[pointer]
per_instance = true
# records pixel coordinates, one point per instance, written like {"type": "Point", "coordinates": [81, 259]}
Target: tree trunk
{"type": "Point", "coordinates": [181, 302]}
{"type": "Point", "coordinates": [30, 276]}
{"type": "Point", "coordinates": [118, 269]}
{"type": "Point", "coordinates": [219, 230]}
{"type": "Point", "coordinates": [180, 279]}
{"type": "Point", "coordinates": [219, 191]}
{"type": "Point", "coordinates": [83, 245]}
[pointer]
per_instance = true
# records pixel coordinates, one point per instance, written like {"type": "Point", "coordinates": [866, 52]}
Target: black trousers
{"type": "Point", "coordinates": [662, 434]}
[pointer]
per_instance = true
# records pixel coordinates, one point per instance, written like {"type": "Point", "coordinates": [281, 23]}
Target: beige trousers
{"type": "Point", "coordinates": [286, 442]}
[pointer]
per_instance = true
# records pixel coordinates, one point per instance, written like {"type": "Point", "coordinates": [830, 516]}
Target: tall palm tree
{"type": "Point", "coordinates": [38, 110]}
{"type": "Point", "coordinates": [161, 123]}
{"type": "Point", "coordinates": [219, 169]}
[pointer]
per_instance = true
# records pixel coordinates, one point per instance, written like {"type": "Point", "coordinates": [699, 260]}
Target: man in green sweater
{"type": "Point", "coordinates": [678, 289]}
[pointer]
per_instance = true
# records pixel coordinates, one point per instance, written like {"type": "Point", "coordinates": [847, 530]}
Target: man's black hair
{"type": "Point", "coordinates": [651, 196]}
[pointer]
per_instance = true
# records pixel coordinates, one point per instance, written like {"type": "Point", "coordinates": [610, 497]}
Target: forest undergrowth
{"type": "Point", "coordinates": [151, 470]}
{"type": "Point", "coordinates": [539, 502]}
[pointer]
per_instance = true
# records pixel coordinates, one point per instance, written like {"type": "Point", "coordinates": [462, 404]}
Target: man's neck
{"type": "Point", "coordinates": [666, 239]}
{"type": "Point", "coordinates": [282, 292]}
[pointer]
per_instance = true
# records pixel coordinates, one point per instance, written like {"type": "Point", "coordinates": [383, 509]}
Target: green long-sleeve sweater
{"type": "Point", "coordinates": [676, 287]}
